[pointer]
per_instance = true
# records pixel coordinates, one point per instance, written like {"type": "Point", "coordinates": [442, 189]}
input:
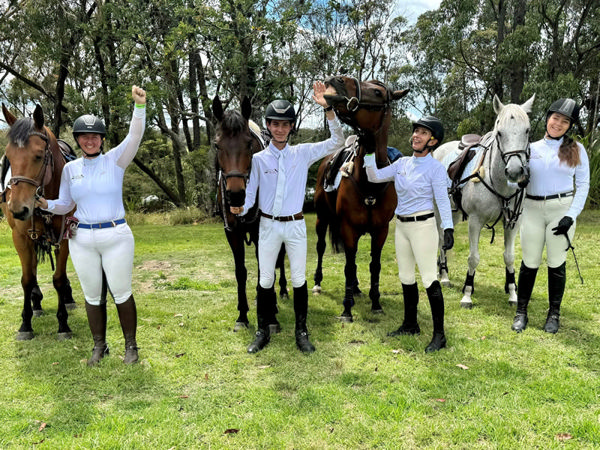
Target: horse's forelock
{"type": "Point", "coordinates": [20, 131]}
{"type": "Point", "coordinates": [509, 112]}
{"type": "Point", "coordinates": [233, 123]}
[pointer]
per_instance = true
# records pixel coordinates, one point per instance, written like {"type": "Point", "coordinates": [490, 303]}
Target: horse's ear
{"type": "Point", "coordinates": [10, 117]}
{"type": "Point", "coordinates": [497, 104]}
{"type": "Point", "coordinates": [528, 105]}
{"type": "Point", "coordinates": [38, 117]}
{"type": "Point", "coordinates": [246, 107]}
{"type": "Point", "coordinates": [217, 108]}
{"type": "Point", "coordinates": [397, 95]}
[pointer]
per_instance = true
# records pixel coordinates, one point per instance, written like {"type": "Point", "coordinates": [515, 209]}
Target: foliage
{"type": "Point", "coordinates": [196, 387]}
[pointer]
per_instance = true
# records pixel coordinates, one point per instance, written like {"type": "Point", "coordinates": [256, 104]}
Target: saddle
{"type": "Point", "coordinates": [457, 167]}
{"type": "Point", "coordinates": [332, 171]}
{"type": "Point", "coordinates": [66, 150]}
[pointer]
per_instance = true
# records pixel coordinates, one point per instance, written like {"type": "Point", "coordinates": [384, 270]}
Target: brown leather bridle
{"type": "Point", "coordinates": [38, 181]}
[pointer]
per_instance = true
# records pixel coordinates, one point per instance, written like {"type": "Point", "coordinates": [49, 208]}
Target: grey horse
{"type": "Point", "coordinates": [488, 190]}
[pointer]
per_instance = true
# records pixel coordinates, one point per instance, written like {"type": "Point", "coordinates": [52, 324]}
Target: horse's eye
{"type": "Point", "coordinates": [38, 158]}
{"type": "Point", "coordinates": [340, 80]}
{"type": "Point", "coordinates": [527, 131]}
{"type": "Point", "coordinates": [378, 94]}
{"type": "Point", "coordinates": [499, 134]}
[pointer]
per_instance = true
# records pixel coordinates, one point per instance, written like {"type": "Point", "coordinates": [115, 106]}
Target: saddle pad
{"type": "Point", "coordinates": [469, 168]}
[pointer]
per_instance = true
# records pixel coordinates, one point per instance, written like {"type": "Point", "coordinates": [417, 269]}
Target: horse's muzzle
{"type": "Point", "coordinates": [23, 214]}
{"type": "Point", "coordinates": [236, 198]}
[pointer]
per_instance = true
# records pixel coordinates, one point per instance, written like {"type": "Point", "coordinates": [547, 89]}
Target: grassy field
{"type": "Point", "coordinates": [196, 387]}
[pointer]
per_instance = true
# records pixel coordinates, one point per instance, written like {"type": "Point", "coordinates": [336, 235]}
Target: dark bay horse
{"type": "Point", "coordinates": [36, 164]}
{"type": "Point", "coordinates": [489, 191]}
{"type": "Point", "coordinates": [357, 207]}
{"type": "Point", "coordinates": [236, 140]}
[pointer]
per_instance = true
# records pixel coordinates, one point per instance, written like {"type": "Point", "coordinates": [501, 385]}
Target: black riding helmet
{"type": "Point", "coordinates": [434, 125]}
{"type": "Point", "coordinates": [568, 108]}
{"type": "Point", "coordinates": [88, 123]}
{"type": "Point", "coordinates": [280, 110]}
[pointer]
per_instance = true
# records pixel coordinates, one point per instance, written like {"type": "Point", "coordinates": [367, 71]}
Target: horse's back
{"type": "Point", "coordinates": [446, 153]}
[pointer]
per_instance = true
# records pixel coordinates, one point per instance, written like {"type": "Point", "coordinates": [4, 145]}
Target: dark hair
{"type": "Point", "coordinates": [569, 152]}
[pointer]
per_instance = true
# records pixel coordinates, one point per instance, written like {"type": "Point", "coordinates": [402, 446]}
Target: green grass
{"type": "Point", "coordinates": [196, 387]}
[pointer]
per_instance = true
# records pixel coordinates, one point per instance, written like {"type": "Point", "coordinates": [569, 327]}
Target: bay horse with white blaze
{"type": "Point", "coordinates": [357, 206]}
{"type": "Point", "coordinates": [236, 140]}
{"type": "Point", "coordinates": [489, 190]}
{"type": "Point", "coordinates": [36, 163]}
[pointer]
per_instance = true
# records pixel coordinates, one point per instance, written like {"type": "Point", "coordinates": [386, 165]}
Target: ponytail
{"type": "Point", "coordinates": [569, 152]}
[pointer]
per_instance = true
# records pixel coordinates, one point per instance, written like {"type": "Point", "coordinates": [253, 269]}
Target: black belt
{"type": "Point", "coordinates": [297, 216]}
{"type": "Point", "coordinates": [415, 218]}
{"type": "Point", "coordinates": [112, 223]}
{"type": "Point", "coordinates": [549, 197]}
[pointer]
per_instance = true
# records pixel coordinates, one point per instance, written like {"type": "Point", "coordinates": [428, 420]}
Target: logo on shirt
{"type": "Point", "coordinates": [268, 171]}
{"type": "Point", "coordinates": [77, 177]}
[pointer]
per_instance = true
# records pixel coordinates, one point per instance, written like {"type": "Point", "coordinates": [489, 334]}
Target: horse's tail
{"type": "Point", "coordinates": [335, 237]}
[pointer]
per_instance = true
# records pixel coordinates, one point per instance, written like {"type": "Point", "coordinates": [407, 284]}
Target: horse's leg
{"type": "Point", "coordinates": [377, 241]}
{"type": "Point", "coordinates": [321, 228]}
{"type": "Point", "coordinates": [350, 274]}
{"type": "Point", "coordinates": [283, 290]}
{"type": "Point", "coordinates": [469, 287]}
{"type": "Point", "coordinates": [63, 289]}
{"type": "Point", "coordinates": [236, 242]}
{"type": "Point", "coordinates": [27, 256]}
{"type": "Point", "coordinates": [36, 300]}
{"type": "Point", "coordinates": [510, 286]}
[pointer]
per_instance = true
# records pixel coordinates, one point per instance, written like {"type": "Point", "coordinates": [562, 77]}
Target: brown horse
{"type": "Point", "coordinates": [358, 206]}
{"type": "Point", "coordinates": [36, 163]}
{"type": "Point", "coordinates": [235, 143]}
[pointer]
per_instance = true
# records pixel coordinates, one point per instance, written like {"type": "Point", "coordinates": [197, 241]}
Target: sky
{"type": "Point", "coordinates": [411, 9]}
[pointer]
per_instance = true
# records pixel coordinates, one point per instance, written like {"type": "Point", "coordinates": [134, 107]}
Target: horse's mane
{"type": "Point", "coordinates": [233, 123]}
{"type": "Point", "coordinates": [19, 132]}
{"type": "Point", "coordinates": [509, 112]}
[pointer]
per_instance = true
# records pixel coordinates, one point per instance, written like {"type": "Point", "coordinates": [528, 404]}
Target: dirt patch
{"type": "Point", "coordinates": [164, 270]}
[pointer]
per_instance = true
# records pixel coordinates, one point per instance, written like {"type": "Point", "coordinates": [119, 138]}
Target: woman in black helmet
{"type": "Point", "coordinates": [419, 180]}
{"type": "Point", "coordinates": [278, 183]}
{"type": "Point", "coordinates": [558, 187]}
{"type": "Point", "coordinates": [103, 241]}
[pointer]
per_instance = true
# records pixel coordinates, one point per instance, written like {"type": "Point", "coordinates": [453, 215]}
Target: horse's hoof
{"type": "Point", "coordinates": [446, 283]}
{"type": "Point", "coordinates": [24, 335]}
{"type": "Point", "coordinates": [316, 289]}
{"type": "Point", "coordinates": [512, 302]}
{"type": "Point", "coordinates": [64, 336]}
{"type": "Point", "coordinates": [377, 311]}
{"type": "Point", "coordinates": [284, 295]}
{"type": "Point", "coordinates": [466, 305]}
{"type": "Point", "coordinates": [345, 319]}
{"type": "Point", "coordinates": [38, 312]}
{"type": "Point", "coordinates": [274, 328]}
{"type": "Point", "coordinates": [71, 305]}
{"type": "Point", "coordinates": [239, 326]}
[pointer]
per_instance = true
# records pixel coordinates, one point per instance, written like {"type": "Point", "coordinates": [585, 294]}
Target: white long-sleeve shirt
{"type": "Point", "coordinates": [297, 160]}
{"type": "Point", "coordinates": [418, 181]}
{"type": "Point", "coordinates": [96, 185]}
{"type": "Point", "coordinates": [549, 176]}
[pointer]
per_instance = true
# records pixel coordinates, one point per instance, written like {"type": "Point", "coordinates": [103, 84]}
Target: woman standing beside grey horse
{"type": "Point", "coordinates": [557, 165]}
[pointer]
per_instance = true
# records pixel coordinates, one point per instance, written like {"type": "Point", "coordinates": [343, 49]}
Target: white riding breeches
{"type": "Point", "coordinates": [110, 249]}
{"type": "Point", "coordinates": [539, 217]}
{"type": "Point", "coordinates": [271, 235]}
{"type": "Point", "coordinates": [417, 244]}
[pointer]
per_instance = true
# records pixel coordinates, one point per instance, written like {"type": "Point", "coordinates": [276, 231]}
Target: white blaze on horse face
{"type": "Point", "coordinates": [512, 131]}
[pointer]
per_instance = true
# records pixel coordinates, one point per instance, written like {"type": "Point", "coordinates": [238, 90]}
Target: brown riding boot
{"type": "Point", "coordinates": [96, 315]}
{"type": "Point", "coordinates": [128, 318]}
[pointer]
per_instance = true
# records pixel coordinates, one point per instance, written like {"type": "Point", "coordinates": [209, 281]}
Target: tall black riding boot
{"type": "Point", "coordinates": [436, 301]}
{"type": "Point", "coordinates": [301, 310]}
{"type": "Point", "coordinates": [128, 318]}
{"type": "Point", "coordinates": [264, 315]}
{"type": "Point", "coordinates": [410, 293]}
{"type": "Point", "coordinates": [97, 319]}
{"type": "Point", "coordinates": [557, 277]}
{"type": "Point", "coordinates": [524, 290]}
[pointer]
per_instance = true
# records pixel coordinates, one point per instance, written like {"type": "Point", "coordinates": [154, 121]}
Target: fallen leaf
{"type": "Point", "coordinates": [179, 355]}
{"type": "Point", "coordinates": [441, 400]}
{"type": "Point", "coordinates": [181, 324]}
{"type": "Point", "coordinates": [55, 363]}
{"type": "Point", "coordinates": [462, 366]}
{"type": "Point", "coordinates": [563, 436]}
{"type": "Point", "coordinates": [178, 315]}
{"type": "Point", "coordinates": [206, 376]}
{"type": "Point", "coordinates": [263, 367]}
{"type": "Point", "coordinates": [396, 351]}
{"type": "Point", "coordinates": [41, 442]}
{"type": "Point", "coordinates": [184, 396]}
{"type": "Point", "coordinates": [42, 426]}
{"type": "Point", "coordinates": [483, 338]}
{"type": "Point", "coordinates": [231, 430]}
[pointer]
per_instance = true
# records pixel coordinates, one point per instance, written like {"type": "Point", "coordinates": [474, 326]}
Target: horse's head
{"type": "Point", "coordinates": [364, 105]}
{"type": "Point", "coordinates": [512, 134]}
{"type": "Point", "coordinates": [28, 152]}
{"type": "Point", "coordinates": [234, 144]}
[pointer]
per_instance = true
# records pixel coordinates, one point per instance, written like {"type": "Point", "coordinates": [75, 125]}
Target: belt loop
{"type": "Point", "coordinates": [113, 223]}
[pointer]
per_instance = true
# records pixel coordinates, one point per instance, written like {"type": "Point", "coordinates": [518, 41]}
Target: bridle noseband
{"type": "Point", "coordinates": [38, 181]}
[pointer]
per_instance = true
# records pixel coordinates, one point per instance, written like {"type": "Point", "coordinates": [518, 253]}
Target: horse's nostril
{"type": "Point", "coordinates": [21, 215]}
